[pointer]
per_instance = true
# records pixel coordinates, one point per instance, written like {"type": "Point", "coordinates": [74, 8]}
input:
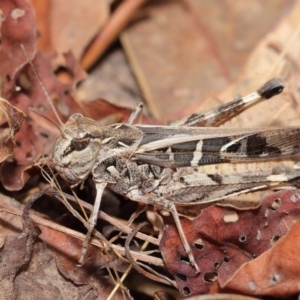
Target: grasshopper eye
{"type": "Point", "coordinates": [80, 144]}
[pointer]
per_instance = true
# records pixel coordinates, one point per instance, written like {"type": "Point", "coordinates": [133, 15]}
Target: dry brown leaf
{"type": "Point", "coordinates": [275, 273]}
{"type": "Point", "coordinates": [119, 88]}
{"type": "Point", "coordinates": [68, 25]}
{"type": "Point", "coordinates": [184, 51]}
{"type": "Point", "coordinates": [17, 26]}
{"type": "Point", "coordinates": [51, 270]}
{"type": "Point", "coordinates": [222, 239]}
{"type": "Point", "coordinates": [100, 109]}
{"type": "Point", "coordinates": [13, 258]}
{"type": "Point", "coordinates": [263, 63]}
{"type": "Point", "coordinates": [116, 23]}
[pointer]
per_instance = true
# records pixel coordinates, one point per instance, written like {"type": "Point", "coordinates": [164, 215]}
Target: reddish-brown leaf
{"type": "Point", "coordinates": [222, 239]}
{"type": "Point", "coordinates": [17, 27]}
{"type": "Point", "coordinates": [37, 135]}
{"type": "Point", "coordinates": [275, 273]}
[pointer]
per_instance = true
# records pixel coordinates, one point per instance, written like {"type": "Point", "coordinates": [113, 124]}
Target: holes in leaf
{"type": "Point", "coordinates": [186, 291]}
{"type": "Point", "coordinates": [230, 217]}
{"type": "Point", "coordinates": [28, 155]}
{"type": "Point", "coordinates": [276, 204]}
{"type": "Point", "coordinates": [274, 239]}
{"type": "Point", "coordinates": [165, 213]}
{"type": "Point", "coordinates": [103, 272]}
{"type": "Point", "coordinates": [295, 197]}
{"type": "Point", "coordinates": [216, 265]}
{"type": "Point", "coordinates": [17, 13]}
{"type": "Point", "coordinates": [259, 235]}
{"type": "Point", "coordinates": [44, 135]}
{"type": "Point", "coordinates": [24, 82]}
{"type": "Point", "coordinates": [226, 259]}
{"type": "Point", "coordinates": [210, 276]}
{"type": "Point", "coordinates": [181, 277]}
{"type": "Point", "coordinates": [18, 89]}
{"type": "Point", "coordinates": [243, 238]}
{"type": "Point", "coordinates": [184, 259]}
{"type": "Point", "coordinates": [199, 245]}
{"type": "Point", "coordinates": [274, 279]}
{"type": "Point", "coordinates": [64, 74]}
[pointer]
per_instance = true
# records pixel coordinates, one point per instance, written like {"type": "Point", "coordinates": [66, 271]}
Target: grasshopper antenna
{"type": "Point", "coordinates": [43, 88]}
{"type": "Point", "coordinates": [48, 119]}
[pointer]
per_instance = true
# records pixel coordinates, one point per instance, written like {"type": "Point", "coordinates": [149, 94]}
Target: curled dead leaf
{"type": "Point", "coordinates": [17, 27]}
{"type": "Point", "coordinates": [13, 117]}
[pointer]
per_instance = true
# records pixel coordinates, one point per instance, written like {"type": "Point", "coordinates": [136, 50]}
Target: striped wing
{"type": "Point", "coordinates": [186, 146]}
{"type": "Point", "coordinates": [205, 188]}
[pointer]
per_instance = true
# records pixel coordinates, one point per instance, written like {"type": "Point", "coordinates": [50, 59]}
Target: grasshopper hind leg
{"type": "Point", "coordinates": [187, 248]}
{"type": "Point", "coordinates": [168, 206]}
{"type": "Point", "coordinates": [219, 115]}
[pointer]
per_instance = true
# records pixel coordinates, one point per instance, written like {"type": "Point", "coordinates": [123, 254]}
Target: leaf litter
{"type": "Point", "coordinates": [229, 243]}
{"type": "Point", "coordinates": [225, 238]}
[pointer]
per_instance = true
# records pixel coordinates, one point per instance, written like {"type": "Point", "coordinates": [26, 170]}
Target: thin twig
{"type": "Point", "coordinates": [49, 224]}
{"type": "Point", "coordinates": [102, 215]}
{"type": "Point", "coordinates": [117, 22]}
{"type": "Point", "coordinates": [153, 275]}
{"type": "Point", "coordinates": [129, 267]}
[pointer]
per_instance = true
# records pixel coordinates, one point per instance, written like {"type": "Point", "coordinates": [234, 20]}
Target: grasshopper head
{"type": "Point", "coordinates": [77, 148]}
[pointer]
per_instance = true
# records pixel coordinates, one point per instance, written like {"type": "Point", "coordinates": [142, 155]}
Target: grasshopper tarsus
{"type": "Point", "coordinates": [271, 88]}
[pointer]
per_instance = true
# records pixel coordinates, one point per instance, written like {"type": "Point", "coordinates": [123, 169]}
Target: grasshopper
{"type": "Point", "coordinates": [138, 161]}
{"type": "Point", "coordinates": [142, 162]}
